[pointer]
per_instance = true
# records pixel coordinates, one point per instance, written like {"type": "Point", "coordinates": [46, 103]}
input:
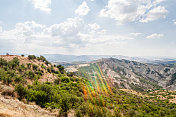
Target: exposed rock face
{"type": "Point", "coordinates": [11, 107]}
{"type": "Point", "coordinates": [131, 74]}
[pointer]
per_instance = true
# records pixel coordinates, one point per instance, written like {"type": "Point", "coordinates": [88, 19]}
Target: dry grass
{"type": "Point", "coordinates": [159, 94]}
{"type": "Point", "coordinates": [10, 107]}
{"type": "Point", "coordinates": [134, 92]}
{"type": "Point", "coordinates": [24, 60]}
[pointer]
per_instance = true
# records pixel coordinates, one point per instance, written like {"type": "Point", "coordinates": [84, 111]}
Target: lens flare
{"type": "Point", "coordinates": [98, 85]}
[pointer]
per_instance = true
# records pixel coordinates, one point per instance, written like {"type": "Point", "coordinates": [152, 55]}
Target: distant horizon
{"type": "Point", "coordinates": [144, 57]}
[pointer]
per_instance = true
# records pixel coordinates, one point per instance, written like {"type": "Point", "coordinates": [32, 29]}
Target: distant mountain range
{"type": "Point", "coordinates": [76, 59]}
{"type": "Point", "coordinates": [60, 58]}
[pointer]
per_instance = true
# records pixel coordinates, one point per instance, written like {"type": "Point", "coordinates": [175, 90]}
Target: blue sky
{"type": "Point", "coordinates": [88, 27]}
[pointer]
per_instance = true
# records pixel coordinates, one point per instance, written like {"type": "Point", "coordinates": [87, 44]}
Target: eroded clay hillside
{"type": "Point", "coordinates": [131, 75]}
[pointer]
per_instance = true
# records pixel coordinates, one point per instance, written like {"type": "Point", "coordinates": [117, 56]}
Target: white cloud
{"type": "Point", "coordinates": [0, 29]}
{"type": "Point", "coordinates": [67, 28]}
{"type": "Point", "coordinates": [43, 5]}
{"type": "Point", "coordinates": [174, 21]}
{"type": "Point", "coordinates": [101, 43]}
{"type": "Point", "coordinates": [155, 36]}
{"type": "Point", "coordinates": [23, 31]}
{"type": "Point", "coordinates": [94, 26]}
{"type": "Point", "coordinates": [135, 34]}
{"type": "Point", "coordinates": [29, 28]}
{"type": "Point", "coordinates": [70, 36]}
{"type": "Point", "coordinates": [158, 1]}
{"type": "Point", "coordinates": [124, 11]}
{"type": "Point", "coordinates": [66, 33]}
{"type": "Point", "coordinates": [154, 14]}
{"type": "Point", "coordinates": [83, 9]}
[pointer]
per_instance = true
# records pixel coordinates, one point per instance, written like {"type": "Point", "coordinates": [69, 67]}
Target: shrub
{"type": "Point", "coordinates": [131, 113]}
{"type": "Point", "coordinates": [47, 63]}
{"type": "Point", "coordinates": [61, 69]}
{"type": "Point", "coordinates": [82, 110]}
{"type": "Point", "coordinates": [42, 58]}
{"type": "Point", "coordinates": [39, 73]}
{"type": "Point", "coordinates": [3, 62]}
{"type": "Point", "coordinates": [31, 57]}
{"type": "Point", "coordinates": [29, 65]}
{"type": "Point", "coordinates": [7, 80]}
{"type": "Point", "coordinates": [14, 63]}
{"type": "Point", "coordinates": [22, 67]}
{"type": "Point", "coordinates": [65, 79]}
{"type": "Point", "coordinates": [21, 90]}
{"type": "Point", "coordinates": [30, 74]}
{"type": "Point", "coordinates": [65, 104]}
{"type": "Point", "coordinates": [34, 67]}
{"type": "Point", "coordinates": [42, 66]}
{"type": "Point", "coordinates": [18, 79]}
{"type": "Point", "coordinates": [40, 97]}
{"type": "Point", "coordinates": [57, 81]}
{"type": "Point", "coordinates": [49, 70]}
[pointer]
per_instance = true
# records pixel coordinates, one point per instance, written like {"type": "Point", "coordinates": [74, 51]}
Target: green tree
{"type": "Point", "coordinates": [61, 69]}
{"type": "Point", "coordinates": [31, 57]}
{"type": "Point", "coordinates": [34, 67]}
{"type": "Point", "coordinates": [40, 97]}
{"type": "Point", "coordinates": [21, 90]}
{"type": "Point", "coordinates": [65, 79]}
{"type": "Point", "coordinates": [65, 104]}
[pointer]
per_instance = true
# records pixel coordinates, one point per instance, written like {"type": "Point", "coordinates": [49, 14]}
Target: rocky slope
{"type": "Point", "coordinates": [134, 75]}
{"type": "Point", "coordinates": [40, 65]}
{"type": "Point", "coordinates": [10, 106]}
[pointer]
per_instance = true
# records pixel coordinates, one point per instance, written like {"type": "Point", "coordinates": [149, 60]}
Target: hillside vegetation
{"type": "Point", "coordinates": [34, 79]}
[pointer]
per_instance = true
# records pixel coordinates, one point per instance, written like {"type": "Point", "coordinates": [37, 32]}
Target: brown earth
{"type": "Point", "coordinates": [24, 60]}
{"type": "Point", "coordinates": [10, 106]}
{"type": "Point", "coordinates": [158, 95]}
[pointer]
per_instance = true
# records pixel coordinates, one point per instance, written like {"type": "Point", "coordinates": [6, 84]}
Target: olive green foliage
{"type": "Point", "coordinates": [8, 73]}
{"type": "Point", "coordinates": [31, 57]}
{"type": "Point", "coordinates": [21, 90]}
{"type": "Point", "coordinates": [65, 95]}
{"type": "Point", "coordinates": [61, 68]}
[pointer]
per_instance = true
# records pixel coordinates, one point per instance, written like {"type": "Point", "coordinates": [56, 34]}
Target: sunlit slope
{"type": "Point", "coordinates": [130, 74]}
{"type": "Point", "coordinates": [96, 80]}
{"type": "Point", "coordinates": [100, 90]}
{"type": "Point", "coordinates": [113, 78]}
